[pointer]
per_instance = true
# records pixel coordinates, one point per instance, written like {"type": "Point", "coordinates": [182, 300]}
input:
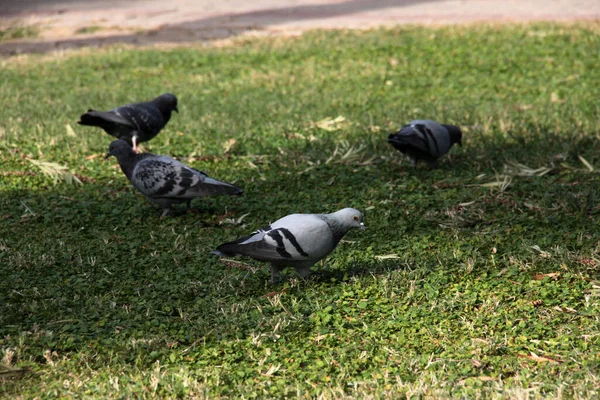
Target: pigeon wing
{"type": "Point", "coordinates": [295, 238]}
{"type": "Point", "coordinates": [267, 245]}
{"type": "Point", "coordinates": [164, 177]}
{"type": "Point", "coordinates": [111, 121]}
{"type": "Point", "coordinates": [144, 117]}
{"type": "Point", "coordinates": [424, 135]}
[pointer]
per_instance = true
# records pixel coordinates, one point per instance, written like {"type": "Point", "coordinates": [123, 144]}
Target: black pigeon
{"type": "Point", "coordinates": [425, 140]}
{"type": "Point", "coordinates": [134, 123]}
{"type": "Point", "coordinates": [166, 181]}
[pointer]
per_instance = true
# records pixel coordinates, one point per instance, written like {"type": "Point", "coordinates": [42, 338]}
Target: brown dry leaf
{"type": "Point", "coordinates": [568, 310]}
{"type": "Point", "coordinates": [228, 145]}
{"type": "Point", "coordinates": [534, 357]}
{"type": "Point", "coordinates": [321, 337]}
{"type": "Point", "coordinates": [70, 131]}
{"type": "Point", "coordinates": [553, 275]}
{"type": "Point", "coordinates": [272, 294]}
{"type": "Point", "coordinates": [487, 378]}
{"type": "Point", "coordinates": [332, 125]}
{"type": "Point", "coordinates": [236, 264]}
{"type": "Point", "coordinates": [554, 98]}
{"type": "Point", "coordinates": [393, 62]}
{"type": "Point", "coordinates": [91, 157]}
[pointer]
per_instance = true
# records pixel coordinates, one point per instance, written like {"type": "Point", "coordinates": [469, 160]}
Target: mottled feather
{"type": "Point", "coordinates": [165, 180]}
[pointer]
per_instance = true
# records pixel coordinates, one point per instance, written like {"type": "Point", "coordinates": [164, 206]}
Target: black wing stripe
{"type": "Point", "coordinates": [421, 129]}
{"type": "Point", "coordinates": [435, 142]}
{"type": "Point", "coordinates": [167, 187]}
{"type": "Point", "coordinates": [289, 236]}
{"type": "Point", "coordinates": [280, 246]}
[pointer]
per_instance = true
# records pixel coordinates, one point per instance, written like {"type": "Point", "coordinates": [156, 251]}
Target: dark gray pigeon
{"type": "Point", "coordinates": [426, 140]}
{"type": "Point", "coordinates": [298, 240]}
{"type": "Point", "coordinates": [166, 181]}
{"type": "Point", "coordinates": [134, 123]}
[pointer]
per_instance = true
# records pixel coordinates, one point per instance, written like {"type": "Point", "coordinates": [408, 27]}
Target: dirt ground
{"type": "Point", "coordinates": [77, 23]}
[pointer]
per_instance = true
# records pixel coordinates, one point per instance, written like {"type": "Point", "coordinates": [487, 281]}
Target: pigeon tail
{"type": "Point", "coordinates": [395, 138]}
{"type": "Point", "coordinates": [218, 187]}
{"type": "Point", "coordinates": [91, 118]}
{"type": "Point", "coordinates": [222, 254]}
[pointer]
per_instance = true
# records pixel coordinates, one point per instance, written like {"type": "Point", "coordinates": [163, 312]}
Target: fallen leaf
{"type": "Point", "coordinates": [55, 171]}
{"type": "Point", "coordinates": [91, 157]}
{"type": "Point", "coordinates": [273, 294]}
{"type": "Point", "coordinates": [568, 310]}
{"type": "Point", "coordinates": [70, 131]}
{"type": "Point", "coordinates": [272, 370]}
{"type": "Point", "coordinates": [228, 145]}
{"type": "Point", "coordinates": [321, 337]}
{"type": "Point", "coordinates": [554, 98]}
{"type": "Point", "coordinates": [534, 357]}
{"type": "Point", "coordinates": [586, 163]}
{"type": "Point", "coordinates": [539, 277]}
{"type": "Point", "coordinates": [331, 125]}
{"type": "Point", "coordinates": [541, 252]}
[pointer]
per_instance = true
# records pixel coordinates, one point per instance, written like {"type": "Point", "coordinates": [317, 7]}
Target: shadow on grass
{"type": "Point", "coordinates": [96, 266]}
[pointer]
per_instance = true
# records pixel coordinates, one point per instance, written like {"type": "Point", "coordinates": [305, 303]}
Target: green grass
{"type": "Point", "coordinates": [488, 280]}
{"type": "Point", "coordinates": [17, 31]}
{"type": "Point", "coordinates": [87, 30]}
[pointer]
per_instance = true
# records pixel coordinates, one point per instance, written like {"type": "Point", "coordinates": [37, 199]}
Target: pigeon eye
{"type": "Point", "coordinates": [356, 217]}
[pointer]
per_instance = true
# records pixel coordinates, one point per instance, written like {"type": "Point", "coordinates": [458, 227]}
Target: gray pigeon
{"type": "Point", "coordinates": [164, 180]}
{"type": "Point", "coordinates": [298, 240]}
{"type": "Point", "coordinates": [134, 123]}
{"type": "Point", "coordinates": [424, 139]}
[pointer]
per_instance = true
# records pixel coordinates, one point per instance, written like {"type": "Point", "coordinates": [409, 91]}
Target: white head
{"type": "Point", "coordinates": [350, 218]}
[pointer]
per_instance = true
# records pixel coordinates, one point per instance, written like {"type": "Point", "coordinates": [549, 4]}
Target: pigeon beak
{"type": "Point", "coordinates": [392, 139]}
{"type": "Point", "coordinates": [176, 110]}
{"type": "Point", "coordinates": [107, 156]}
{"type": "Point", "coordinates": [362, 226]}
{"type": "Point", "coordinates": [460, 143]}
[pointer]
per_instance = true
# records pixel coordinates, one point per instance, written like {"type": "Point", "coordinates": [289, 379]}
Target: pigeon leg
{"type": "Point", "coordinates": [134, 140]}
{"type": "Point", "coordinates": [189, 208]}
{"type": "Point", "coordinates": [413, 162]}
{"type": "Point", "coordinates": [274, 273]}
{"type": "Point", "coordinates": [165, 212]}
{"type": "Point", "coordinates": [302, 270]}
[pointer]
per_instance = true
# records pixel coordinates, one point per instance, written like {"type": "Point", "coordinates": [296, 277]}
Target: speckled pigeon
{"type": "Point", "coordinates": [298, 240]}
{"type": "Point", "coordinates": [134, 123]}
{"type": "Point", "coordinates": [166, 181]}
{"type": "Point", "coordinates": [425, 140]}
